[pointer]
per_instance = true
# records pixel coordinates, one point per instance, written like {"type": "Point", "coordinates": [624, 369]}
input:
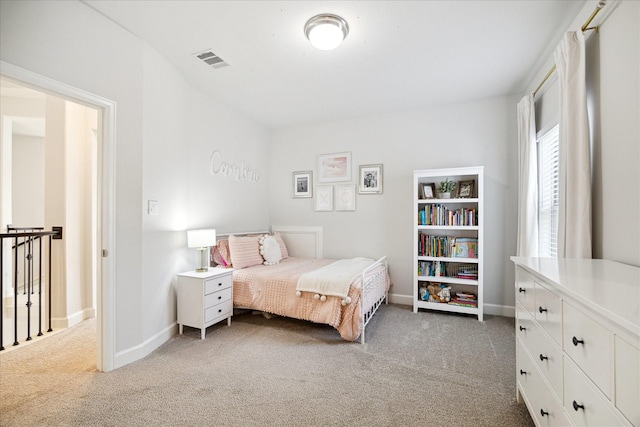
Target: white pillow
{"type": "Point", "coordinates": [270, 250]}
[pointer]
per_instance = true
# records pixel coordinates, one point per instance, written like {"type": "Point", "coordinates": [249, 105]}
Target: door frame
{"type": "Point", "coordinates": [105, 245]}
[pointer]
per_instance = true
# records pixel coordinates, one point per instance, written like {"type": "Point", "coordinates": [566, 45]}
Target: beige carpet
{"type": "Point", "coordinates": [426, 369]}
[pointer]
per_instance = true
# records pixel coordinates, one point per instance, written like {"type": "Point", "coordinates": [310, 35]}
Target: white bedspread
{"type": "Point", "coordinates": [333, 279]}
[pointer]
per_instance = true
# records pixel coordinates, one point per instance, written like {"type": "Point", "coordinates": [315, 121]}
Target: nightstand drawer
{"type": "Point", "coordinates": [219, 311]}
{"type": "Point", "coordinates": [217, 283]}
{"type": "Point", "coordinates": [589, 345]}
{"type": "Point", "coordinates": [217, 297]}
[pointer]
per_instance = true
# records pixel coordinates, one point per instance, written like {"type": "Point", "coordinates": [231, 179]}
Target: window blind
{"type": "Point", "coordinates": [548, 150]}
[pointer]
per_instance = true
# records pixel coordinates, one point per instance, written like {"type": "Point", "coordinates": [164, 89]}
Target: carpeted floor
{"type": "Point", "coordinates": [427, 369]}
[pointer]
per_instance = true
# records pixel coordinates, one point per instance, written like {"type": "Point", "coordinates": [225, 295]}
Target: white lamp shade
{"type": "Point", "coordinates": [326, 31]}
{"type": "Point", "coordinates": [201, 238]}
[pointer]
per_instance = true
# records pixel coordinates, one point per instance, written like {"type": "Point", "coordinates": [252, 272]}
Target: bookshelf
{"type": "Point", "coordinates": [448, 241]}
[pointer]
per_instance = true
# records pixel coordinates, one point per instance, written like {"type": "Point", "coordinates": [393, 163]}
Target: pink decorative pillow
{"type": "Point", "coordinates": [245, 251]}
{"type": "Point", "coordinates": [220, 253]}
{"type": "Point", "coordinates": [283, 247]}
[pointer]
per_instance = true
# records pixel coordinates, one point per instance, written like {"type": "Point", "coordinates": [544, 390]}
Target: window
{"type": "Point", "coordinates": [548, 147]}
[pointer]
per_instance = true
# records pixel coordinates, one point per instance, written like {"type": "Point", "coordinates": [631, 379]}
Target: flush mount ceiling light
{"type": "Point", "coordinates": [326, 31]}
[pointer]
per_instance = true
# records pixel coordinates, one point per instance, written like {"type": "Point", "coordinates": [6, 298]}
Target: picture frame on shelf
{"type": "Point", "coordinates": [302, 184]}
{"type": "Point", "coordinates": [334, 167]}
{"type": "Point", "coordinates": [427, 191]}
{"type": "Point", "coordinates": [465, 189]}
{"type": "Point", "coordinates": [324, 198]}
{"type": "Point", "coordinates": [370, 179]}
{"type": "Point", "coordinates": [345, 197]}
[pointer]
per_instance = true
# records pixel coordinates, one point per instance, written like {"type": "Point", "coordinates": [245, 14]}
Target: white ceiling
{"type": "Point", "coordinates": [398, 55]}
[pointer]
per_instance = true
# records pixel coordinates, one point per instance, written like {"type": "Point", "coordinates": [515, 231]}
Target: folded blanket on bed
{"type": "Point", "coordinates": [333, 279]}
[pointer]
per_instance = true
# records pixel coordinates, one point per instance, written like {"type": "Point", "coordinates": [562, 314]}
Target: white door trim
{"type": "Point", "coordinates": [106, 199]}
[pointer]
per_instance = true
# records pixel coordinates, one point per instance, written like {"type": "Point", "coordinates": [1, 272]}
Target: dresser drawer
{"type": "Point", "coordinates": [218, 312]}
{"type": "Point", "coordinates": [627, 384]}
{"type": "Point", "coordinates": [589, 345]}
{"type": "Point", "coordinates": [217, 283]}
{"type": "Point", "coordinates": [218, 297]}
{"type": "Point", "coordinates": [525, 289]}
{"type": "Point", "coordinates": [525, 328]}
{"type": "Point", "coordinates": [543, 405]}
{"type": "Point", "coordinates": [548, 312]}
{"type": "Point", "coordinates": [584, 403]}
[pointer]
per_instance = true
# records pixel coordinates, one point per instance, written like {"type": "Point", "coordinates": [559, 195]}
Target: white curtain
{"type": "Point", "coordinates": [574, 217]}
{"type": "Point", "coordinates": [527, 238]}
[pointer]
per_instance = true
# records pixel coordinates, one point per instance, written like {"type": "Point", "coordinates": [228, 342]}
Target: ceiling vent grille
{"type": "Point", "coordinates": [211, 59]}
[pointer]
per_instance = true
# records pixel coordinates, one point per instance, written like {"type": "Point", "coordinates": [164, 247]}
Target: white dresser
{"type": "Point", "coordinates": [205, 298]}
{"type": "Point", "coordinates": [578, 341]}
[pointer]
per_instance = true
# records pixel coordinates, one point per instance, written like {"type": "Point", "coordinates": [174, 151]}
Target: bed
{"type": "Point", "coordinates": [342, 293]}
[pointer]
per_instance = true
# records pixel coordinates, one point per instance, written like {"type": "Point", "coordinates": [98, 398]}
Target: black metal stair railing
{"type": "Point", "coordinates": [25, 240]}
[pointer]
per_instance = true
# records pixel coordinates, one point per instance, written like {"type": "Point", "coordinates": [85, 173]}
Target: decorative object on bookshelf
{"type": "Point", "coordinates": [302, 184]}
{"type": "Point", "coordinates": [370, 181]}
{"type": "Point", "coordinates": [334, 167]}
{"type": "Point", "coordinates": [465, 189]}
{"type": "Point", "coordinates": [446, 188]}
{"type": "Point", "coordinates": [427, 191]}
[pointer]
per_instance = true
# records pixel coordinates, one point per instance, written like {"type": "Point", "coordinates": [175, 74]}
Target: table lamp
{"type": "Point", "coordinates": [201, 240]}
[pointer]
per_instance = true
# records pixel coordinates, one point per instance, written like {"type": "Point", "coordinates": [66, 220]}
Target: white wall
{"type": "Point", "coordinates": [479, 133]}
{"type": "Point", "coordinates": [28, 178]}
{"type": "Point", "coordinates": [165, 133]}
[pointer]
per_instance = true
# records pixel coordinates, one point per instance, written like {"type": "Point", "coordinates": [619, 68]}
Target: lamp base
{"type": "Point", "coordinates": [203, 265]}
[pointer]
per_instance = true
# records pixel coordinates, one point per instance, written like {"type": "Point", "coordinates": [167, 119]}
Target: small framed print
{"type": "Point", "coordinates": [324, 198]}
{"type": "Point", "coordinates": [334, 167]}
{"type": "Point", "coordinates": [370, 180]}
{"type": "Point", "coordinates": [465, 189]}
{"type": "Point", "coordinates": [345, 197]}
{"type": "Point", "coordinates": [427, 191]}
{"type": "Point", "coordinates": [302, 184]}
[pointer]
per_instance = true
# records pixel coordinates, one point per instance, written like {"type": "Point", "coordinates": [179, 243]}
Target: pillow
{"type": "Point", "coordinates": [245, 251]}
{"type": "Point", "coordinates": [221, 254]}
{"type": "Point", "coordinates": [270, 250]}
{"type": "Point", "coordinates": [283, 248]}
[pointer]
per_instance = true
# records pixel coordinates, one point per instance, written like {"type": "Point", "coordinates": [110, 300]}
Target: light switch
{"type": "Point", "coordinates": [154, 207]}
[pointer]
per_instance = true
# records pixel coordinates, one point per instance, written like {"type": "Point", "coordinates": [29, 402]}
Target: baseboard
{"type": "Point", "coordinates": [73, 319]}
{"type": "Point", "coordinates": [492, 309]}
{"type": "Point", "coordinates": [140, 351]}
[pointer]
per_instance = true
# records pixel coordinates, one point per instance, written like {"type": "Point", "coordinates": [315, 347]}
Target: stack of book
{"type": "Point", "coordinates": [465, 299]}
{"type": "Point", "coordinates": [468, 272]}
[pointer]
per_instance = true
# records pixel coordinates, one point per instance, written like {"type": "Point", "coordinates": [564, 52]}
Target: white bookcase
{"type": "Point", "coordinates": [448, 241]}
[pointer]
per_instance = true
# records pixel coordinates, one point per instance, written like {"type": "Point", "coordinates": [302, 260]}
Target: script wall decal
{"type": "Point", "coordinates": [237, 171]}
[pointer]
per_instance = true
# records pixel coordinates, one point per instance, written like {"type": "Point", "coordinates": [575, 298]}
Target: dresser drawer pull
{"type": "Point", "coordinates": [219, 297]}
{"type": "Point", "coordinates": [220, 284]}
{"type": "Point", "coordinates": [541, 310]}
{"type": "Point", "coordinates": [523, 290]}
{"type": "Point", "coordinates": [523, 372]}
{"type": "Point", "coordinates": [543, 358]}
{"type": "Point", "coordinates": [576, 341]}
{"type": "Point", "coordinates": [576, 406]}
{"type": "Point", "coordinates": [522, 328]}
{"type": "Point", "coordinates": [543, 412]}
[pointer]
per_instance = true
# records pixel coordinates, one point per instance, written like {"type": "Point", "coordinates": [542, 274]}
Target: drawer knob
{"type": "Point", "coordinates": [576, 406]}
{"type": "Point", "coordinates": [220, 311]}
{"type": "Point", "coordinates": [522, 328]}
{"type": "Point", "coordinates": [543, 412]}
{"type": "Point", "coordinates": [220, 284]}
{"type": "Point", "coordinates": [523, 372]}
{"type": "Point", "coordinates": [541, 310]}
{"type": "Point", "coordinates": [523, 290]}
{"type": "Point", "coordinates": [543, 358]}
{"type": "Point", "coordinates": [576, 341]}
{"type": "Point", "coordinates": [219, 297]}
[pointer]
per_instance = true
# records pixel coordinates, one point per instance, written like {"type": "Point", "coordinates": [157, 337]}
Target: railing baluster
{"type": "Point", "coordinates": [15, 295]}
{"type": "Point", "coordinates": [29, 277]}
{"type": "Point", "coordinates": [1, 294]}
{"type": "Point", "coordinates": [40, 286]}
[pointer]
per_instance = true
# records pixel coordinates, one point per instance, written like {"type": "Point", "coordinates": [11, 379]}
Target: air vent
{"type": "Point", "coordinates": [211, 59]}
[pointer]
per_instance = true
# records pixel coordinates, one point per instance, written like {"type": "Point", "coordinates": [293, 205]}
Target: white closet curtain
{"type": "Point", "coordinates": [574, 216]}
{"type": "Point", "coordinates": [527, 238]}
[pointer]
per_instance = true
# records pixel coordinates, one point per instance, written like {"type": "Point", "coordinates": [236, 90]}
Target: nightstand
{"type": "Point", "coordinates": [205, 298]}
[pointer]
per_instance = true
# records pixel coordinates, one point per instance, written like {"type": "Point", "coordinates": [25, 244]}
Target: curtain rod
{"type": "Point", "coordinates": [584, 28]}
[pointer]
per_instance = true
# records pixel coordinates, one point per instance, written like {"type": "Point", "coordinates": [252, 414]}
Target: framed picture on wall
{"type": "Point", "coordinates": [345, 197]}
{"type": "Point", "coordinates": [302, 184]}
{"type": "Point", "coordinates": [334, 167]}
{"type": "Point", "coordinates": [370, 179]}
{"type": "Point", "coordinates": [324, 198]}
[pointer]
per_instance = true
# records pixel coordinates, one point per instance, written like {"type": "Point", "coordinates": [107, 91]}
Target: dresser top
{"type": "Point", "coordinates": [609, 288]}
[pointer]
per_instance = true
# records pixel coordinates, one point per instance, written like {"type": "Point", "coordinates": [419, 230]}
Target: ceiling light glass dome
{"type": "Point", "coordinates": [326, 31]}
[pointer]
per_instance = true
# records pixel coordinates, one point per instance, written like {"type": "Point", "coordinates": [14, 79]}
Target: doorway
{"type": "Point", "coordinates": [94, 299]}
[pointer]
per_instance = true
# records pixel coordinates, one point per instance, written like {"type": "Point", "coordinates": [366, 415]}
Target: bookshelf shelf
{"type": "Point", "coordinates": [448, 242]}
